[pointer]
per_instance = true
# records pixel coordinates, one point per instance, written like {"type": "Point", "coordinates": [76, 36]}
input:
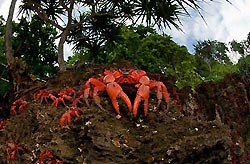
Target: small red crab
{"type": "Point", "coordinates": [20, 103]}
{"type": "Point", "coordinates": [13, 149]}
{"type": "Point", "coordinates": [47, 157]}
{"type": "Point", "coordinates": [111, 81]}
{"type": "Point", "coordinates": [44, 95]}
{"type": "Point", "coordinates": [63, 94]}
{"type": "Point", "coordinates": [66, 117]}
{"type": "Point", "coordinates": [2, 124]}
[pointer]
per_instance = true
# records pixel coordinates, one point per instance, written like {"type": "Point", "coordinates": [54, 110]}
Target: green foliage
{"type": "Point", "coordinates": [140, 45]}
{"type": "Point", "coordinates": [149, 51]}
{"type": "Point", "coordinates": [212, 61]}
{"type": "Point", "coordinates": [211, 51]}
{"type": "Point", "coordinates": [156, 54]}
{"type": "Point", "coordinates": [4, 86]}
{"type": "Point", "coordinates": [218, 71]}
{"type": "Point", "coordinates": [2, 50]}
{"type": "Point", "coordinates": [186, 75]}
{"type": "Point", "coordinates": [238, 47]}
{"type": "Point", "coordinates": [243, 66]}
{"type": "Point", "coordinates": [34, 43]}
{"type": "Point", "coordinates": [202, 67]}
{"type": "Point", "coordinates": [243, 47]}
{"type": "Point", "coordinates": [2, 43]}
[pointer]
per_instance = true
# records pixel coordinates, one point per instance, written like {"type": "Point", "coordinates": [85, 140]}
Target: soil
{"type": "Point", "coordinates": [210, 125]}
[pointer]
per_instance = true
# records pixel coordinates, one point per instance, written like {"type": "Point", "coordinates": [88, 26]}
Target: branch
{"type": "Point", "coordinates": [63, 5]}
{"type": "Point", "coordinates": [70, 10]}
{"type": "Point", "coordinates": [4, 79]}
{"type": "Point", "coordinates": [3, 64]}
{"type": "Point", "coordinates": [42, 15]}
{"type": "Point", "coordinates": [93, 15]}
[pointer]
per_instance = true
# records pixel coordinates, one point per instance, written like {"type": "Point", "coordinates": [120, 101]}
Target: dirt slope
{"type": "Point", "coordinates": [195, 128]}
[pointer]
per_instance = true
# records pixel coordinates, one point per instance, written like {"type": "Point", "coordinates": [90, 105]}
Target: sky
{"type": "Point", "coordinates": [223, 22]}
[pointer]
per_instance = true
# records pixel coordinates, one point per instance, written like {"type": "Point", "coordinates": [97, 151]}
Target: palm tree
{"type": "Point", "coordinates": [91, 15]}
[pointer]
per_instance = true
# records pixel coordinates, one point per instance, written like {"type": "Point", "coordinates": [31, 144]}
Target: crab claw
{"type": "Point", "coordinates": [114, 91]}
{"type": "Point", "coordinates": [142, 94]}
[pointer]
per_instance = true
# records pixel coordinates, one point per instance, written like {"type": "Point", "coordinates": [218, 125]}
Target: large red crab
{"type": "Point", "coordinates": [111, 81]}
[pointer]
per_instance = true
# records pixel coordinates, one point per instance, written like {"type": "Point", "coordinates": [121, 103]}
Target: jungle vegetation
{"type": "Point", "coordinates": [100, 33]}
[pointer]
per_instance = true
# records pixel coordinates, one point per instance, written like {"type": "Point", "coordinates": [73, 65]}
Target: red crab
{"type": "Point", "coordinates": [66, 117]}
{"type": "Point", "coordinates": [44, 95]}
{"type": "Point", "coordinates": [111, 83]}
{"type": "Point", "coordinates": [63, 94]}
{"type": "Point", "coordinates": [20, 103]}
{"type": "Point", "coordinates": [13, 149]}
{"type": "Point", "coordinates": [47, 157]}
{"type": "Point", "coordinates": [2, 124]}
{"type": "Point", "coordinates": [112, 88]}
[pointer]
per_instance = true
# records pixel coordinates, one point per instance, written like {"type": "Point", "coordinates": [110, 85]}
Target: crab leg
{"type": "Point", "coordinates": [86, 96]}
{"type": "Point", "coordinates": [142, 94]}
{"type": "Point", "coordinates": [96, 97]}
{"type": "Point", "coordinates": [164, 92]}
{"type": "Point", "coordinates": [161, 91]}
{"type": "Point", "coordinates": [98, 86]}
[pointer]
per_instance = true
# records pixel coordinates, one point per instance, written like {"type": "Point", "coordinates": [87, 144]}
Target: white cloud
{"type": "Point", "coordinates": [4, 8]}
{"type": "Point", "coordinates": [236, 19]}
{"type": "Point", "coordinates": [224, 22]}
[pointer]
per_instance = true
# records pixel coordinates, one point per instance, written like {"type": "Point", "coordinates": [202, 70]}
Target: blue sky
{"type": "Point", "coordinates": [224, 22]}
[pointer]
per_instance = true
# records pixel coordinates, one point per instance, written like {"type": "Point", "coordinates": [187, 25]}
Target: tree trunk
{"type": "Point", "coordinates": [61, 52]}
{"type": "Point", "coordinates": [8, 34]}
{"type": "Point", "coordinates": [9, 51]}
{"type": "Point", "coordinates": [18, 72]}
{"type": "Point", "coordinates": [64, 35]}
{"type": "Point", "coordinates": [63, 38]}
